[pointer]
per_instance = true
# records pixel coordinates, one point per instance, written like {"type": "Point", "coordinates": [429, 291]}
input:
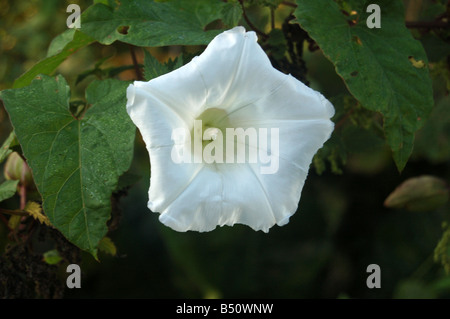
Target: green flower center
{"type": "Point", "coordinates": [214, 122]}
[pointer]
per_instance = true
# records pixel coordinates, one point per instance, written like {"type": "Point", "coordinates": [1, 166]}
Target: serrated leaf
{"type": "Point", "coordinates": [8, 189]}
{"type": "Point", "coordinates": [152, 67]}
{"type": "Point", "coordinates": [375, 64]}
{"type": "Point", "coordinates": [49, 64]}
{"type": "Point", "coordinates": [76, 163]}
{"type": "Point", "coordinates": [149, 23]}
{"type": "Point", "coordinates": [173, 64]}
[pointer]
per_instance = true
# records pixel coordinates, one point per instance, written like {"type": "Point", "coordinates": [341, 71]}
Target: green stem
{"type": "Point", "coordinates": [13, 212]}
{"type": "Point", "coordinates": [136, 64]}
{"type": "Point", "coordinates": [272, 18]}
{"type": "Point", "coordinates": [427, 24]}
{"type": "Point", "coordinates": [250, 24]}
{"type": "Point", "coordinates": [289, 4]}
{"type": "Point", "coordinates": [424, 267]}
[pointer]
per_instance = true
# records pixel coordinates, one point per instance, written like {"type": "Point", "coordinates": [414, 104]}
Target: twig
{"type": "Point", "coordinates": [27, 238]}
{"type": "Point", "coordinates": [250, 24]}
{"type": "Point", "coordinates": [4, 220]}
{"type": "Point", "coordinates": [13, 212]}
{"type": "Point", "coordinates": [272, 18]}
{"type": "Point", "coordinates": [289, 4]}
{"type": "Point", "coordinates": [136, 65]}
{"type": "Point", "coordinates": [343, 119]}
{"type": "Point", "coordinates": [426, 24]}
{"type": "Point", "coordinates": [23, 191]}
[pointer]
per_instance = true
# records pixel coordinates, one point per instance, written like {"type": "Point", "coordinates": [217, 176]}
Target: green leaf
{"type": "Point", "coordinates": [105, 2]}
{"type": "Point", "coordinates": [175, 63]}
{"type": "Point", "coordinates": [103, 73]}
{"type": "Point", "coordinates": [60, 41]}
{"type": "Point", "coordinates": [76, 163]}
{"type": "Point", "coordinates": [266, 3]}
{"type": "Point", "coordinates": [277, 44]}
{"type": "Point", "coordinates": [231, 14]}
{"type": "Point", "coordinates": [126, 181]}
{"type": "Point", "coordinates": [107, 246]}
{"type": "Point", "coordinates": [14, 221]}
{"type": "Point", "coordinates": [49, 64]}
{"type": "Point", "coordinates": [8, 189]}
{"type": "Point", "coordinates": [152, 67]}
{"type": "Point", "coordinates": [433, 140]}
{"type": "Point", "coordinates": [149, 23]}
{"type": "Point", "coordinates": [376, 64]}
{"type": "Point", "coordinates": [442, 250]}
{"type": "Point", "coordinates": [414, 289]}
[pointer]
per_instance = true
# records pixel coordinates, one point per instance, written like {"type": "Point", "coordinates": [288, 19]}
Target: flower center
{"type": "Point", "coordinates": [214, 140]}
{"type": "Point", "coordinates": [211, 134]}
{"type": "Point", "coordinates": [208, 134]}
{"type": "Point", "coordinates": [214, 122]}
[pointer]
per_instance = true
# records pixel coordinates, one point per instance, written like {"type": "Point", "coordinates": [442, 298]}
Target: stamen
{"type": "Point", "coordinates": [210, 134]}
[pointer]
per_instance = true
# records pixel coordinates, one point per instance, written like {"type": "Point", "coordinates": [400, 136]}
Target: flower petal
{"type": "Point", "coordinates": [169, 179]}
{"type": "Point", "coordinates": [301, 115]}
{"type": "Point", "coordinates": [223, 195]}
{"type": "Point", "coordinates": [292, 100]}
{"type": "Point", "coordinates": [236, 70]}
{"type": "Point", "coordinates": [166, 102]}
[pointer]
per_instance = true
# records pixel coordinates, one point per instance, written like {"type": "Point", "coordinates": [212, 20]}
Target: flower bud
{"type": "Point", "coordinates": [17, 169]}
{"type": "Point", "coordinates": [423, 193]}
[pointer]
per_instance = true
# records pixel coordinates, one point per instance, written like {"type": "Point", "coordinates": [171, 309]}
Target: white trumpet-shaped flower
{"type": "Point", "coordinates": [230, 138]}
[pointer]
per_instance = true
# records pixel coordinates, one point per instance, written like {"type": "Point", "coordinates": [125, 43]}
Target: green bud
{"type": "Point", "coordinates": [423, 193]}
{"type": "Point", "coordinates": [17, 169]}
{"type": "Point", "coordinates": [52, 257]}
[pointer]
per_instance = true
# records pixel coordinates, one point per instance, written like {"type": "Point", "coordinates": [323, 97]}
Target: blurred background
{"type": "Point", "coordinates": [341, 225]}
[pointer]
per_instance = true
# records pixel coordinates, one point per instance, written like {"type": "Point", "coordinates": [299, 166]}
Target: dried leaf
{"type": "Point", "coordinates": [35, 210]}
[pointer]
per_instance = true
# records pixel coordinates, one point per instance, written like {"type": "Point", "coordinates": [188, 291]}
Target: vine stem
{"type": "Point", "coordinates": [426, 24]}
{"type": "Point", "coordinates": [343, 119]}
{"type": "Point", "coordinates": [250, 24]}
{"type": "Point", "coordinates": [289, 4]}
{"type": "Point", "coordinates": [4, 220]}
{"type": "Point", "coordinates": [137, 70]}
{"type": "Point", "coordinates": [23, 196]}
{"type": "Point", "coordinates": [13, 212]}
{"type": "Point", "coordinates": [272, 18]}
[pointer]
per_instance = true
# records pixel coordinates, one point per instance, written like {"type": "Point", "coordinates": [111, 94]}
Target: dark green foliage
{"type": "Point", "coordinates": [76, 162]}
{"type": "Point", "coordinates": [65, 114]}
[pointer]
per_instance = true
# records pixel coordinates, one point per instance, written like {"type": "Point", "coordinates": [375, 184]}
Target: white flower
{"type": "Point", "coordinates": [231, 85]}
